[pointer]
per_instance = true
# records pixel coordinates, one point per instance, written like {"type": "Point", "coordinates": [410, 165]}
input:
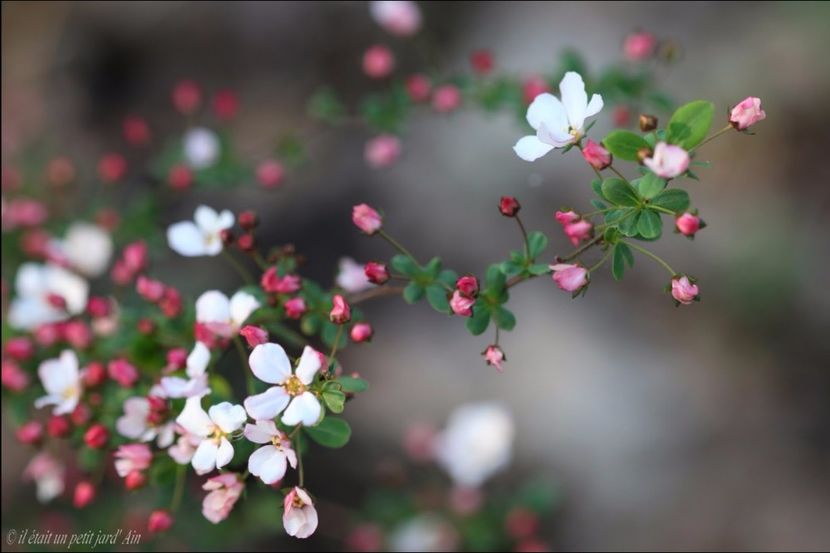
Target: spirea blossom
{"type": "Point", "coordinates": [202, 236]}
{"type": "Point", "coordinates": [213, 428]}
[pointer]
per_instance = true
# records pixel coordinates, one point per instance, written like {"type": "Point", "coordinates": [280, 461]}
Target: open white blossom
{"type": "Point", "coordinates": [425, 532]}
{"type": "Point", "coordinates": [212, 428]}
{"type": "Point", "coordinates": [270, 364]}
{"type": "Point", "coordinates": [87, 248]}
{"type": "Point", "coordinates": [203, 235]}
{"type": "Point", "coordinates": [62, 381]}
{"type": "Point", "coordinates": [351, 276]}
{"type": "Point", "coordinates": [41, 289]}
{"type": "Point", "coordinates": [135, 424]}
{"type": "Point", "coordinates": [476, 443]}
{"type": "Point", "coordinates": [557, 123]}
{"type": "Point", "coordinates": [201, 147]}
{"type": "Point", "coordinates": [48, 475]}
{"type": "Point", "coordinates": [196, 369]}
{"type": "Point", "coordinates": [225, 316]}
{"type": "Point", "coordinates": [270, 461]}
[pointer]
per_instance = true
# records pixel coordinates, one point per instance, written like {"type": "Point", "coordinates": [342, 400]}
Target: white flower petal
{"type": "Point", "coordinates": [194, 419]}
{"type": "Point", "coordinates": [198, 360]}
{"type": "Point", "coordinates": [224, 454]}
{"type": "Point", "coordinates": [207, 219]}
{"type": "Point", "coordinates": [530, 148]}
{"type": "Point", "coordinates": [88, 248]}
{"type": "Point", "coordinates": [594, 106]}
{"type": "Point", "coordinates": [555, 137]}
{"type": "Point", "coordinates": [213, 307]}
{"type": "Point", "coordinates": [274, 467]}
{"type": "Point", "coordinates": [242, 304]}
{"type": "Point", "coordinates": [305, 409]}
{"type": "Point", "coordinates": [546, 108]}
{"type": "Point", "coordinates": [258, 459]}
{"type": "Point", "coordinates": [174, 386]}
{"type": "Point", "coordinates": [574, 98]}
{"type": "Point", "coordinates": [204, 459]}
{"type": "Point", "coordinates": [201, 147]}
{"type": "Point", "coordinates": [269, 363]}
{"type": "Point", "coordinates": [309, 365]}
{"type": "Point", "coordinates": [186, 239]}
{"type": "Point", "coordinates": [227, 416]}
{"type": "Point", "coordinates": [268, 404]}
{"type": "Point", "coordinates": [261, 432]}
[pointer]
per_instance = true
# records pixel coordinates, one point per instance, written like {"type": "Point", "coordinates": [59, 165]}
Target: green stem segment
{"type": "Point", "coordinates": [652, 255]}
{"type": "Point", "coordinates": [238, 267]}
{"type": "Point", "coordinates": [178, 493]}
{"type": "Point", "coordinates": [727, 128]}
{"type": "Point", "coordinates": [601, 261]}
{"type": "Point", "coordinates": [334, 345]}
{"type": "Point", "coordinates": [524, 236]}
{"type": "Point", "coordinates": [397, 245]}
{"type": "Point", "coordinates": [249, 376]}
{"type": "Point", "coordinates": [594, 241]}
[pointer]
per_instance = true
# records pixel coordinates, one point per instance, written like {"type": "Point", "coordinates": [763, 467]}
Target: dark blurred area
{"type": "Point", "coordinates": [679, 429]}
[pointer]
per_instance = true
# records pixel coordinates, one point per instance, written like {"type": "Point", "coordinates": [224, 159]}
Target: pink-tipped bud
{"type": "Point", "coordinates": [187, 96]}
{"type": "Point", "coordinates": [467, 285]}
{"type": "Point", "coordinates": [248, 220]}
{"type": "Point", "coordinates": [362, 332]}
{"type": "Point", "coordinates": [94, 374]}
{"type": "Point", "coordinates": [597, 157]}
{"type": "Point", "coordinates": [688, 224]}
{"type": "Point", "coordinates": [295, 308]}
{"type": "Point", "coordinates": [136, 130]}
{"type": "Point", "coordinates": [446, 98]}
{"type": "Point", "coordinates": [254, 335]}
{"type": "Point", "coordinates": [461, 305]}
{"type": "Point", "coordinates": [366, 219]}
{"type": "Point", "coordinates": [30, 433]}
{"type": "Point", "coordinates": [159, 521]}
{"type": "Point", "coordinates": [639, 46]}
{"type": "Point", "coordinates": [58, 426]}
{"type": "Point", "coordinates": [747, 113]}
{"type": "Point", "coordinates": [135, 480]}
{"type": "Point", "coordinates": [84, 494]}
{"type": "Point", "coordinates": [123, 372]}
{"type": "Point", "coordinates": [340, 313]}
{"type": "Point", "coordinates": [20, 348]}
{"type": "Point", "coordinates": [96, 436]}
{"type": "Point", "coordinates": [180, 177]}
{"type": "Point", "coordinates": [509, 206]}
{"type": "Point", "coordinates": [225, 105]}
{"type": "Point", "coordinates": [376, 272]}
{"type": "Point", "coordinates": [112, 168]}
{"type": "Point", "coordinates": [269, 173]}
{"type": "Point", "coordinates": [382, 151]}
{"type": "Point", "coordinates": [684, 290]}
{"type": "Point", "coordinates": [482, 62]}
{"type": "Point", "coordinates": [570, 277]}
{"type": "Point", "coordinates": [532, 87]}
{"type": "Point", "coordinates": [419, 88]}
{"type": "Point", "coordinates": [494, 356]}
{"type": "Point", "coordinates": [378, 61]}
{"type": "Point", "coordinates": [98, 306]}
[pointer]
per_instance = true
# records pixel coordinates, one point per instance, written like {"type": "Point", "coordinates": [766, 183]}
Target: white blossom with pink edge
{"type": "Point", "coordinates": [86, 248]}
{"type": "Point", "coordinates": [62, 381]}
{"type": "Point", "coordinates": [134, 423]}
{"type": "Point", "coordinates": [201, 147]}
{"type": "Point", "coordinates": [300, 516]}
{"type": "Point", "coordinates": [224, 491]}
{"type": "Point", "coordinates": [203, 235]}
{"type": "Point", "coordinates": [38, 287]}
{"type": "Point", "coordinates": [225, 316]}
{"type": "Point", "coordinates": [47, 474]}
{"type": "Point", "coordinates": [270, 364]}
{"type": "Point", "coordinates": [213, 428]}
{"type": "Point", "coordinates": [401, 18]}
{"type": "Point", "coordinates": [270, 461]}
{"type": "Point", "coordinates": [668, 161]}
{"type": "Point", "coordinates": [182, 451]}
{"type": "Point", "coordinates": [197, 382]}
{"type": "Point", "coordinates": [557, 123]}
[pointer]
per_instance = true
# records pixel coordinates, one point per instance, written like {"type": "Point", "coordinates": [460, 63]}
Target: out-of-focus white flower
{"type": "Point", "coordinates": [87, 248]}
{"type": "Point", "coordinates": [201, 147]}
{"type": "Point", "coordinates": [213, 428]}
{"type": "Point", "coordinates": [46, 294]}
{"type": "Point", "coordinates": [401, 18]}
{"type": "Point", "coordinates": [557, 123]}
{"type": "Point", "coordinates": [136, 423]}
{"type": "Point", "coordinates": [184, 448]}
{"type": "Point", "coordinates": [48, 475]}
{"type": "Point", "coordinates": [62, 381]}
{"type": "Point", "coordinates": [225, 316]}
{"type": "Point", "coordinates": [203, 235]}
{"type": "Point", "coordinates": [351, 276]}
{"type": "Point", "coordinates": [197, 383]}
{"type": "Point", "coordinates": [476, 443]}
{"type": "Point", "coordinates": [426, 532]}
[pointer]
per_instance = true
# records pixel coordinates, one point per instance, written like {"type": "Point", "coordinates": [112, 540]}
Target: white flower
{"type": "Point", "coordinates": [269, 462]}
{"type": "Point", "coordinates": [135, 423]}
{"type": "Point", "coordinates": [225, 316]}
{"type": "Point", "coordinates": [201, 147]}
{"type": "Point", "coordinates": [37, 287]}
{"type": "Point", "coordinates": [300, 516]}
{"type": "Point", "coordinates": [351, 276]}
{"type": "Point", "coordinates": [556, 123]}
{"type": "Point", "coordinates": [197, 382]}
{"type": "Point", "coordinates": [62, 381]}
{"type": "Point", "coordinates": [270, 364]}
{"type": "Point", "coordinates": [476, 443]}
{"type": "Point", "coordinates": [87, 248]}
{"type": "Point", "coordinates": [668, 161]}
{"type": "Point", "coordinates": [213, 429]}
{"type": "Point", "coordinates": [47, 472]}
{"type": "Point", "coordinates": [202, 236]}
{"type": "Point", "coordinates": [425, 532]}
{"type": "Point", "coordinates": [184, 448]}
{"type": "Point", "coordinates": [402, 18]}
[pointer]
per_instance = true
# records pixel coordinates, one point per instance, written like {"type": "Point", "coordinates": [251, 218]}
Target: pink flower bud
{"type": "Point", "coordinates": [461, 305]}
{"type": "Point", "coordinates": [145, 326]}
{"type": "Point", "coordinates": [401, 18]}
{"type": "Point", "coordinates": [269, 173]}
{"type": "Point", "coordinates": [180, 177]}
{"type": "Point", "coordinates": [376, 272]}
{"type": "Point", "coordinates": [171, 302]}
{"type": "Point", "coordinates": [96, 436]}
{"type": "Point", "coordinates": [30, 433]}
{"type": "Point", "coordinates": [254, 335]}
{"type": "Point", "coordinates": [576, 228]}
{"type": "Point", "coordinates": [419, 442]}
{"type": "Point", "coordinates": [248, 220]}
{"type": "Point", "coordinates": [149, 289]}
{"type": "Point", "coordinates": [366, 219]}
{"type": "Point", "coordinates": [273, 283]}
{"type": "Point", "coordinates": [246, 242]}
{"type": "Point", "coordinates": [621, 116]}
{"type": "Point", "coordinates": [688, 224]}
{"type": "Point", "coordinates": [77, 333]}
{"type": "Point", "coordinates": [135, 256]}
{"type": "Point", "coordinates": [48, 334]}
{"type": "Point", "coordinates": [176, 358]}
{"type": "Point", "coordinates": [446, 98]}
{"type": "Point", "coordinates": [521, 523]}
{"type": "Point", "coordinates": [94, 374]}
{"type": "Point", "coordinates": [509, 206]}
{"type": "Point", "coordinates": [747, 113]}
{"type": "Point", "coordinates": [136, 130]}
{"type": "Point", "coordinates": [482, 62]}
{"type": "Point", "coordinates": [683, 290]}
{"type": "Point", "coordinates": [80, 415]}
{"type": "Point", "coordinates": [225, 105]}
{"type": "Point", "coordinates": [340, 313]}
{"type": "Point", "coordinates": [639, 46]}
{"type": "Point", "coordinates": [494, 356]}
{"type": "Point", "coordinates": [467, 285]}
{"type": "Point", "coordinates": [418, 87]}
{"type": "Point", "coordinates": [84, 494]}
{"type": "Point", "coordinates": [123, 372]}
{"type": "Point", "coordinates": [58, 426]}
{"type": "Point", "coordinates": [295, 308]}
{"type": "Point", "coordinates": [159, 521]}
{"type": "Point", "coordinates": [378, 61]}
{"type": "Point", "coordinates": [361, 332]}
{"type": "Point", "coordinates": [532, 87]}
{"type": "Point", "coordinates": [135, 480]}
{"type": "Point", "coordinates": [186, 97]}
{"type": "Point", "coordinates": [668, 161]}
{"type": "Point", "coordinates": [112, 168]}
{"type": "Point", "coordinates": [60, 172]}
{"type": "Point", "coordinates": [570, 277]}
{"type": "Point", "coordinates": [299, 515]}
{"type": "Point", "coordinates": [98, 306]}
{"type": "Point", "coordinates": [382, 151]}
{"type": "Point", "coordinates": [24, 212]}
{"type": "Point", "coordinates": [20, 348]}
{"type": "Point", "coordinates": [597, 157]}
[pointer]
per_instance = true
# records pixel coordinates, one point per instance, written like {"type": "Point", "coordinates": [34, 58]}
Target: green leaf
{"type": "Point", "coordinates": [598, 204]}
{"type": "Point", "coordinates": [673, 199]}
{"type": "Point", "coordinates": [624, 144]}
{"type": "Point", "coordinates": [331, 432]}
{"type": "Point", "coordinates": [494, 279]}
{"type": "Point", "coordinates": [334, 399]}
{"type": "Point", "coordinates": [478, 323]}
{"type": "Point", "coordinates": [404, 265]}
{"type": "Point", "coordinates": [596, 185]}
{"type": "Point", "coordinates": [618, 262]}
{"type": "Point", "coordinates": [509, 268]}
{"type": "Point", "coordinates": [437, 298]}
{"type": "Point", "coordinates": [690, 124]}
{"type": "Point", "coordinates": [504, 318]}
{"type": "Point", "coordinates": [433, 268]}
{"type": "Point", "coordinates": [448, 277]}
{"type": "Point", "coordinates": [650, 185]}
{"type": "Point", "coordinates": [628, 225]}
{"type": "Point", "coordinates": [536, 243]}
{"type": "Point", "coordinates": [627, 254]}
{"type": "Point", "coordinates": [538, 269]}
{"type": "Point", "coordinates": [413, 292]}
{"type": "Point", "coordinates": [619, 192]}
{"type": "Point", "coordinates": [650, 225]}
{"type": "Point", "coordinates": [352, 384]}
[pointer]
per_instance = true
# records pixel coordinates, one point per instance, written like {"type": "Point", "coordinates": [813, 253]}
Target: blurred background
{"type": "Point", "coordinates": [664, 429]}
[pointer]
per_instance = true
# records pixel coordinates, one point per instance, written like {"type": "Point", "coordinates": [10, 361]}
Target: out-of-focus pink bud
{"type": "Point", "coordinates": [248, 220]}
{"type": "Point", "coordinates": [376, 272]}
{"type": "Point", "coordinates": [621, 116]}
{"type": "Point", "coordinates": [150, 289]}
{"type": "Point", "coordinates": [446, 98]}
{"type": "Point", "coordinates": [84, 494]}
{"type": "Point", "coordinates": [362, 332]}
{"type": "Point", "coordinates": [597, 157]}
{"type": "Point", "coordinates": [688, 224]}
{"type": "Point", "coordinates": [171, 302]}
{"type": "Point", "coordinates": [747, 113]}
{"type": "Point", "coordinates": [509, 206]}
{"type": "Point", "coordinates": [145, 326]}
{"type": "Point", "coordinates": [269, 173]}
{"type": "Point", "coordinates": [24, 212]}
{"type": "Point", "coordinates": [467, 285]}
{"type": "Point", "coordinates": [273, 283]}
{"type": "Point", "coordinates": [176, 358]}
{"type": "Point", "coordinates": [382, 151]}
{"type": "Point", "coordinates": [77, 333]}
{"type": "Point", "coordinates": [136, 130]}
{"type": "Point", "coordinates": [48, 334]}
{"type": "Point", "coordinates": [340, 313]}
{"type": "Point", "coordinates": [96, 436]}
{"type": "Point", "coordinates": [494, 356]}
{"type": "Point", "coordinates": [295, 308]}
{"type": "Point", "coordinates": [482, 62]}
{"type": "Point", "coordinates": [94, 374]}
{"type": "Point", "coordinates": [418, 87]}
{"type": "Point", "coordinates": [80, 415]}
{"type": "Point", "coordinates": [532, 87]}
{"type": "Point", "coordinates": [246, 242]}
{"type": "Point", "coordinates": [576, 228]}
{"type": "Point", "coordinates": [112, 168]}
{"type": "Point", "coordinates": [419, 441]}
{"type": "Point", "coordinates": [30, 433]}
{"type": "Point", "coordinates": [254, 335]}
{"type": "Point", "coordinates": [365, 538]}
{"type": "Point", "coordinates": [98, 306]}
{"type": "Point", "coordinates": [58, 426]}
{"type": "Point", "coordinates": [135, 480]}
{"type": "Point", "coordinates": [225, 105]}
{"type": "Point", "coordinates": [135, 256]}
{"type": "Point", "coordinates": [159, 521]}
{"type": "Point", "coordinates": [668, 161]}
{"type": "Point", "coordinates": [60, 172]}
{"type": "Point", "coordinates": [123, 372]}
{"type": "Point", "coordinates": [639, 46]}
{"type": "Point", "coordinates": [35, 243]}
{"type": "Point", "coordinates": [684, 291]}
{"type": "Point", "coordinates": [187, 96]}
{"type": "Point", "coordinates": [378, 61]}
{"type": "Point", "coordinates": [461, 305]}
{"type": "Point", "coordinates": [20, 348]}
{"type": "Point", "coordinates": [570, 277]}
{"type": "Point", "coordinates": [366, 219]}
{"type": "Point", "coordinates": [521, 523]}
{"type": "Point", "coordinates": [180, 177]}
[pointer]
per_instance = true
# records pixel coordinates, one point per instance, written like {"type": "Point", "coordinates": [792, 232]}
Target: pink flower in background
{"type": "Point", "coordinates": [401, 18]}
{"type": "Point", "coordinates": [597, 157]}
{"type": "Point", "coordinates": [254, 335]}
{"type": "Point", "coordinates": [569, 277]}
{"type": "Point", "coordinates": [747, 113]}
{"type": "Point", "coordinates": [112, 168]}
{"type": "Point", "coordinates": [84, 494]}
{"type": "Point", "coordinates": [639, 46]}
{"type": "Point", "coordinates": [418, 87]}
{"type": "Point", "coordinates": [30, 432]}
{"type": "Point", "coordinates": [136, 130]}
{"type": "Point", "coordinates": [668, 161]}
{"type": "Point", "coordinates": [180, 177]}
{"type": "Point", "coordinates": [269, 173]}
{"type": "Point", "coordinates": [683, 290]}
{"type": "Point", "coordinates": [351, 276]}
{"type": "Point", "coordinates": [223, 492]}
{"type": "Point", "coordinates": [48, 475]}
{"type": "Point", "coordinates": [60, 171]}
{"type": "Point", "coordinates": [446, 98]}
{"type": "Point", "coordinates": [382, 151]}
{"type": "Point", "coordinates": [295, 308]}
{"type": "Point", "coordinates": [340, 313]}
{"type": "Point", "coordinates": [300, 516]}
{"type": "Point", "coordinates": [365, 538]}
{"type": "Point", "coordinates": [187, 96]}
{"type": "Point", "coordinates": [123, 372]}
{"type": "Point", "coordinates": [150, 289]}
{"type": "Point", "coordinates": [366, 219]}
{"type": "Point", "coordinates": [378, 61]}
{"type": "Point", "coordinates": [131, 458]}
{"type": "Point", "coordinates": [13, 377]}
{"type": "Point", "coordinates": [376, 273]}
{"type": "Point", "coordinates": [532, 87]}
{"type": "Point", "coordinates": [687, 224]}
{"type": "Point", "coordinates": [19, 348]}
{"type": "Point", "coordinates": [159, 521]}
{"type": "Point", "coordinates": [482, 62]}
{"type": "Point", "coordinates": [273, 283]}
{"type": "Point", "coordinates": [23, 212]}
{"type": "Point", "coordinates": [461, 305]}
{"type": "Point", "coordinates": [225, 105]}
{"type": "Point", "coordinates": [576, 228]}
{"type": "Point", "coordinates": [361, 332]}
{"type": "Point", "coordinates": [494, 356]}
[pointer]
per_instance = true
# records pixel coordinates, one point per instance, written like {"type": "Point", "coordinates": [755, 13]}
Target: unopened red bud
{"type": "Point", "coordinates": [94, 374]}
{"type": "Point", "coordinates": [246, 242]}
{"type": "Point", "coordinates": [376, 273]}
{"type": "Point", "coordinates": [340, 313]}
{"type": "Point", "coordinates": [361, 332]}
{"type": "Point", "coordinates": [227, 237]}
{"type": "Point", "coordinates": [159, 521]}
{"type": "Point", "coordinates": [84, 494]}
{"type": "Point", "coordinates": [58, 426]}
{"type": "Point", "coordinates": [80, 415]}
{"type": "Point", "coordinates": [123, 372]}
{"type": "Point", "coordinates": [30, 433]}
{"type": "Point", "coordinates": [509, 206]}
{"type": "Point", "coordinates": [96, 436]}
{"type": "Point", "coordinates": [177, 358]}
{"type": "Point", "coordinates": [647, 122]}
{"type": "Point", "coordinates": [19, 349]}
{"type": "Point", "coordinates": [146, 326]}
{"type": "Point", "coordinates": [98, 307]}
{"type": "Point", "coordinates": [248, 220]}
{"type": "Point", "coordinates": [295, 308]}
{"type": "Point", "coordinates": [482, 62]}
{"type": "Point", "coordinates": [467, 285]}
{"type": "Point", "coordinates": [254, 335]}
{"type": "Point", "coordinates": [135, 480]}
{"type": "Point", "coordinates": [180, 177]}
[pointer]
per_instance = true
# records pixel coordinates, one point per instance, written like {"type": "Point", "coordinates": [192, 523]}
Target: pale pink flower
{"type": "Point", "coordinates": [446, 98]}
{"type": "Point", "coordinates": [401, 18]}
{"type": "Point", "coordinates": [48, 475]}
{"type": "Point", "coordinates": [300, 516]}
{"type": "Point", "coordinates": [461, 304]}
{"type": "Point", "coordinates": [351, 276]}
{"type": "Point", "coordinates": [639, 46]}
{"type": "Point", "coordinates": [597, 157]}
{"type": "Point", "coordinates": [132, 457]}
{"type": "Point", "coordinates": [747, 113]}
{"type": "Point", "coordinates": [213, 427]}
{"type": "Point", "coordinates": [366, 219]}
{"type": "Point", "coordinates": [494, 356]}
{"type": "Point", "coordinates": [687, 224]}
{"type": "Point", "coordinates": [361, 332]}
{"type": "Point", "coordinates": [184, 448]}
{"type": "Point", "coordinates": [378, 61]}
{"type": "Point", "coordinates": [223, 492]}
{"type": "Point", "coordinates": [269, 462]}
{"type": "Point", "coordinates": [569, 277]}
{"type": "Point", "coordinates": [295, 308]}
{"type": "Point", "coordinates": [668, 161]}
{"type": "Point", "coordinates": [382, 151]}
{"type": "Point", "coordinates": [683, 290]}
{"type": "Point", "coordinates": [223, 316]}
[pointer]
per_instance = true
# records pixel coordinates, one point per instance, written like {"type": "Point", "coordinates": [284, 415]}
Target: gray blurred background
{"type": "Point", "coordinates": [696, 428]}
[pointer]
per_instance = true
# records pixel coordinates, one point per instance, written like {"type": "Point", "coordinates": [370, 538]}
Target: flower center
{"type": "Point", "coordinates": [294, 386]}
{"type": "Point", "coordinates": [297, 501]}
{"type": "Point", "coordinates": [216, 434]}
{"type": "Point", "coordinates": [69, 392]}
{"type": "Point", "coordinates": [575, 133]}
